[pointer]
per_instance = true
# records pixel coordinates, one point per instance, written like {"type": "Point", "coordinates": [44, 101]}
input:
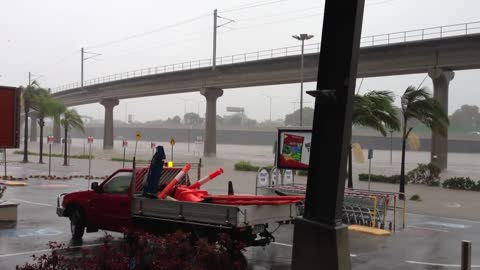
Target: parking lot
{"type": "Point", "coordinates": [427, 243]}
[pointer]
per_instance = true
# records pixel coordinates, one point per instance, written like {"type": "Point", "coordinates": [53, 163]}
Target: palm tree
{"type": "Point", "coordinates": [375, 110]}
{"type": "Point", "coordinates": [417, 103]}
{"type": "Point", "coordinates": [47, 107]}
{"type": "Point", "coordinates": [71, 119]}
{"type": "Point", "coordinates": [30, 96]}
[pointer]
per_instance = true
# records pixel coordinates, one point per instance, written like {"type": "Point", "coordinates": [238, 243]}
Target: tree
{"type": "Point", "coordinates": [175, 120]}
{"type": "Point", "coordinates": [293, 119]}
{"type": "Point", "coordinates": [375, 110]}
{"type": "Point", "coordinates": [467, 117]}
{"type": "Point", "coordinates": [192, 119]}
{"type": "Point", "coordinates": [71, 119]}
{"type": "Point", "coordinates": [47, 107]}
{"type": "Point", "coordinates": [30, 96]}
{"type": "Point", "coordinates": [417, 103]}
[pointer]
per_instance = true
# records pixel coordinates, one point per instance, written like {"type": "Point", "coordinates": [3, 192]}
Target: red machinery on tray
{"type": "Point", "coordinates": [193, 193]}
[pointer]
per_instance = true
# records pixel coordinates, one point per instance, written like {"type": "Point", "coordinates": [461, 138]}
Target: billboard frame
{"type": "Point", "coordinates": [279, 144]}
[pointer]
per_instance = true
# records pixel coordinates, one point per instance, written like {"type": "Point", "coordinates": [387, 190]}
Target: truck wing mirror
{"type": "Point", "coordinates": [95, 187]}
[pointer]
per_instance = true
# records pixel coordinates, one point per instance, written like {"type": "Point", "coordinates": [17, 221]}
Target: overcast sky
{"type": "Point", "coordinates": [45, 37]}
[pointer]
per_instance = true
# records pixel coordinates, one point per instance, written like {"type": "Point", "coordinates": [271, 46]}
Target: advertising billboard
{"type": "Point", "coordinates": [293, 148]}
{"type": "Point", "coordinates": [9, 117]}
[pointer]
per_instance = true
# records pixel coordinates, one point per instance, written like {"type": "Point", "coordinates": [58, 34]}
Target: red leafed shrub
{"type": "Point", "coordinates": [142, 251]}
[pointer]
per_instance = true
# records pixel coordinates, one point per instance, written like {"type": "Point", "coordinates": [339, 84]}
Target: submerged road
{"type": "Point", "coordinates": [427, 242]}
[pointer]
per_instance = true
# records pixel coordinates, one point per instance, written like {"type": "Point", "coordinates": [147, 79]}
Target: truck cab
{"type": "Point", "coordinates": [107, 206]}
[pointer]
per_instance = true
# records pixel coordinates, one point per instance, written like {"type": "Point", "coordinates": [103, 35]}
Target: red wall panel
{"type": "Point", "coordinates": [9, 117]}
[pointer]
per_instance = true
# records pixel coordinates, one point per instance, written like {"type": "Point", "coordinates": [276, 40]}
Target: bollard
{"type": "Point", "coordinates": [466, 255]}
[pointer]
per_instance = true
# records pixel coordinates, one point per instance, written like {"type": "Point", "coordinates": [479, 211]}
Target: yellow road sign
{"type": "Point", "coordinates": [138, 136]}
{"type": "Point", "coordinates": [172, 141]}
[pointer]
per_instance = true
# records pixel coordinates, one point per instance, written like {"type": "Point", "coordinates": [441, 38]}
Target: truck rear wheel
{"type": "Point", "coordinates": [77, 223]}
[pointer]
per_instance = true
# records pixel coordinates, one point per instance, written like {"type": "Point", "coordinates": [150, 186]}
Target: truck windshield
{"type": "Point", "coordinates": [118, 184]}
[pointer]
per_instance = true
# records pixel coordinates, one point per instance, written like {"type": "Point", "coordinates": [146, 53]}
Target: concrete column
{"type": "Point", "coordinates": [33, 126]}
{"type": "Point", "coordinates": [109, 104]}
{"type": "Point", "coordinates": [441, 81]}
{"type": "Point", "coordinates": [57, 131]}
{"type": "Point", "coordinates": [210, 140]}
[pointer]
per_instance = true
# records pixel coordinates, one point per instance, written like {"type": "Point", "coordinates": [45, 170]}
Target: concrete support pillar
{"type": "Point", "coordinates": [109, 104]}
{"type": "Point", "coordinates": [210, 140]}
{"type": "Point", "coordinates": [33, 126]}
{"type": "Point", "coordinates": [57, 131]}
{"type": "Point", "coordinates": [441, 81]}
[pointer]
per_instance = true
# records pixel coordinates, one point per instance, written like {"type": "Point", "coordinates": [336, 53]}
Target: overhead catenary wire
{"type": "Point", "coordinates": [295, 18]}
{"type": "Point", "coordinates": [252, 5]}
{"type": "Point", "coordinates": [108, 43]}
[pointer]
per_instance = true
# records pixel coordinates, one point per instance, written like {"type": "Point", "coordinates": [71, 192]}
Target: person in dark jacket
{"type": "Point", "coordinates": [150, 187]}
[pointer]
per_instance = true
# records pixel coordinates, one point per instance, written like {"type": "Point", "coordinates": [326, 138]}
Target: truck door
{"type": "Point", "coordinates": [111, 207]}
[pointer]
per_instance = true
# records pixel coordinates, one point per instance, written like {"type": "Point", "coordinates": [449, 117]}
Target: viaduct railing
{"type": "Point", "coordinates": [368, 41]}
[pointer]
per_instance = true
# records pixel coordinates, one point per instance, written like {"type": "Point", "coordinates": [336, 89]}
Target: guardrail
{"type": "Point", "coordinates": [368, 41]}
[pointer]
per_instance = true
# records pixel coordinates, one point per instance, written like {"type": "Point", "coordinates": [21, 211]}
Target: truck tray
{"type": "Point", "coordinates": [214, 214]}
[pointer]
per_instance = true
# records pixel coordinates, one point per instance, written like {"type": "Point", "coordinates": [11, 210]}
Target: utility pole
{"type": "Point", "coordinates": [215, 26]}
{"type": "Point", "coordinates": [214, 57]}
{"type": "Point", "coordinates": [82, 59]}
{"type": "Point", "coordinates": [29, 78]}
{"type": "Point", "coordinates": [81, 71]}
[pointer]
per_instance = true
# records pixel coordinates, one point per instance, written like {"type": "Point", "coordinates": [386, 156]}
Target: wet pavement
{"type": "Point", "coordinates": [427, 242]}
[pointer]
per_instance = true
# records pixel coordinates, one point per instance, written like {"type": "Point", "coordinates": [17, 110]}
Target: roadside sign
{"type": "Point", "coordinates": [275, 176]}
{"type": "Point", "coordinates": [50, 139]}
{"type": "Point", "coordinates": [263, 177]}
{"type": "Point", "coordinates": [370, 153]}
{"type": "Point", "coordinates": [138, 136]}
{"type": "Point", "coordinates": [89, 139]}
{"type": "Point", "coordinates": [172, 141]}
{"type": "Point", "coordinates": [124, 144]}
{"type": "Point", "coordinates": [288, 177]}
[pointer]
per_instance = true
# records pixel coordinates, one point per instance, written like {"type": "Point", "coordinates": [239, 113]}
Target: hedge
{"type": "Point", "coordinates": [425, 174]}
{"type": "Point", "coordinates": [53, 155]}
{"type": "Point", "coordinates": [393, 179]}
{"type": "Point", "coordinates": [461, 183]}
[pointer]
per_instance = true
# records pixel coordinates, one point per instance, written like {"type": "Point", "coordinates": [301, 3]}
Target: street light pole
{"type": "Point", "coordinates": [302, 37]}
{"type": "Point", "coordinates": [270, 102]}
{"type": "Point", "coordinates": [301, 85]}
{"type": "Point", "coordinates": [391, 147]}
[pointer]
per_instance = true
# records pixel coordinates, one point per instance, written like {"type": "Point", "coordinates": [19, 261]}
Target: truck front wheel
{"type": "Point", "coordinates": [77, 223]}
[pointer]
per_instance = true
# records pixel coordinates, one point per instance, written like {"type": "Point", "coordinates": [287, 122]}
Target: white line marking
{"type": "Point", "coordinates": [457, 219]}
{"type": "Point", "coordinates": [282, 244]}
{"type": "Point", "coordinates": [45, 250]}
{"type": "Point", "coordinates": [290, 245]}
{"type": "Point", "coordinates": [440, 264]}
{"type": "Point", "coordinates": [35, 203]}
{"type": "Point", "coordinates": [450, 225]}
{"type": "Point", "coordinates": [429, 229]}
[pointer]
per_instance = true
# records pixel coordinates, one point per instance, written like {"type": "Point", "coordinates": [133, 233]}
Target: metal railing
{"type": "Point", "coordinates": [368, 41]}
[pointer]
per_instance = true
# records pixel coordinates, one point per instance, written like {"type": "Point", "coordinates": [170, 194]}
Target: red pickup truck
{"type": "Point", "coordinates": [117, 204]}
